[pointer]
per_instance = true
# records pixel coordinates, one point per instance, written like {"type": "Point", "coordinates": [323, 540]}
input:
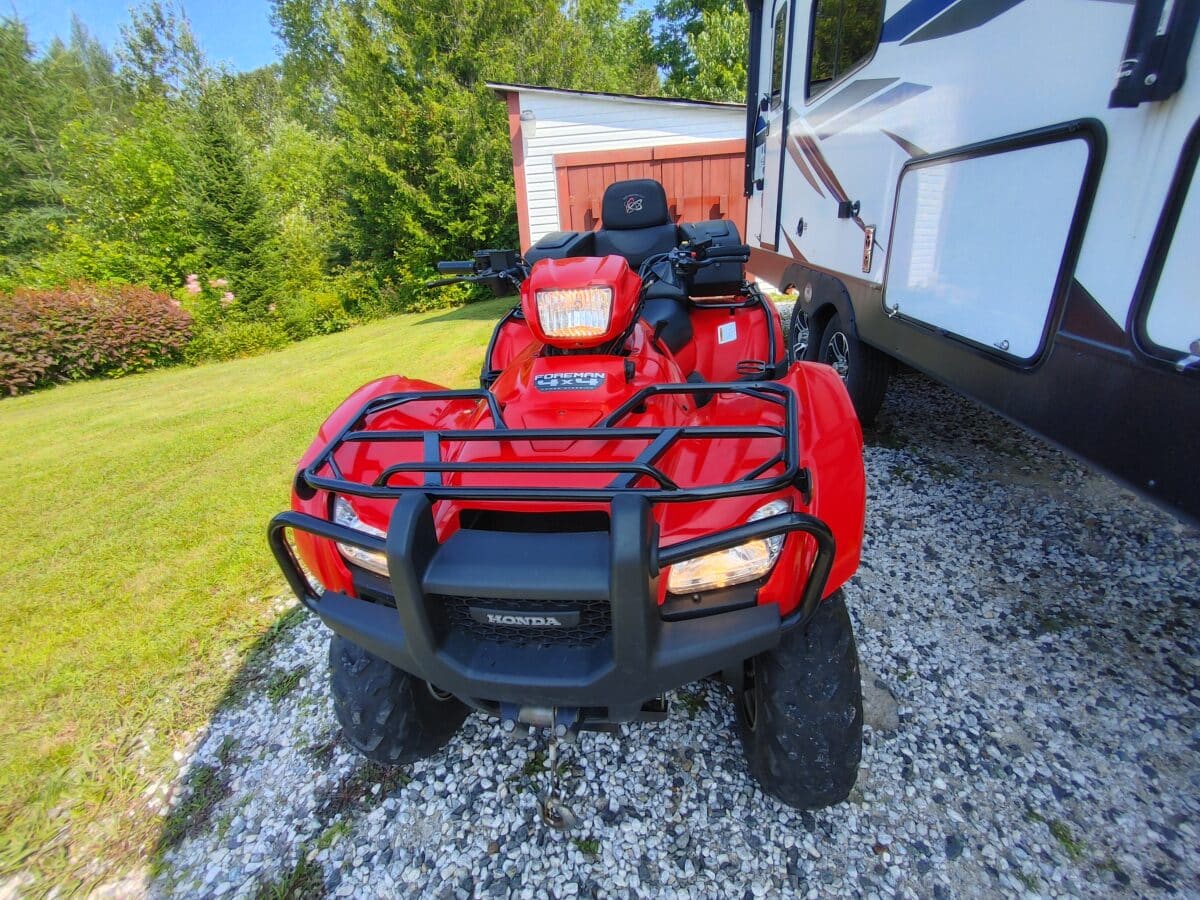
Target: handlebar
{"type": "Point", "coordinates": [739, 252]}
{"type": "Point", "coordinates": [457, 267]}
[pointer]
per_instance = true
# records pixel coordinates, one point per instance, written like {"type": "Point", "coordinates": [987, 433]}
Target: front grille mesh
{"type": "Point", "coordinates": [595, 621]}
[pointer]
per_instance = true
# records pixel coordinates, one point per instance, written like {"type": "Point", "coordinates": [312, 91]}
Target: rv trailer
{"type": "Point", "coordinates": [1001, 194]}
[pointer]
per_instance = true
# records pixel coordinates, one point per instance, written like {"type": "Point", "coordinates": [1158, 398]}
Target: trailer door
{"type": "Point", "coordinates": [772, 121]}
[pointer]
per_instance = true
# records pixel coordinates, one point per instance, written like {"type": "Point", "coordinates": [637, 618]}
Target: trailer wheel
{"type": "Point", "coordinates": [388, 715]}
{"type": "Point", "coordinates": [800, 712]}
{"type": "Point", "coordinates": [800, 343]}
{"type": "Point", "coordinates": [864, 369]}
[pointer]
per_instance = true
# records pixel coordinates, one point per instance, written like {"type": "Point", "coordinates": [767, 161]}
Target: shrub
{"type": "Point", "coordinates": [85, 330]}
{"type": "Point", "coordinates": [310, 313]}
{"type": "Point", "coordinates": [231, 340]}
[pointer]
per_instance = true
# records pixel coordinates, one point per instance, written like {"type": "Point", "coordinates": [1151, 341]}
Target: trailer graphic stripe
{"type": "Point", "coordinates": [966, 15]}
{"type": "Point", "coordinates": [798, 159]}
{"type": "Point", "coordinates": [910, 18]}
{"type": "Point", "coordinates": [905, 144]}
{"type": "Point", "coordinates": [854, 92]}
{"type": "Point", "coordinates": [897, 95]}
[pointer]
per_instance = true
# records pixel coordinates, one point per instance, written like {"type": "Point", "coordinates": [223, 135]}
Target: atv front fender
{"type": "Point", "coordinates": [831, 448]}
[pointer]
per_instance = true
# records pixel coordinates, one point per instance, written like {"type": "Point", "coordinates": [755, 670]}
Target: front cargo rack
{"type": "Point", "coordinates": [643, 643]}
{"type": "Point", "coordinates": [324, 473]}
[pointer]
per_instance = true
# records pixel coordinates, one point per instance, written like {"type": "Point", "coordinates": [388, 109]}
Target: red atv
{"type": "Point", "coordinates": [644, 491]}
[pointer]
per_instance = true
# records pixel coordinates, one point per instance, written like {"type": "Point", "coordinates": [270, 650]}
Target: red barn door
{"type": "Point", "coordinates": [702, 180]}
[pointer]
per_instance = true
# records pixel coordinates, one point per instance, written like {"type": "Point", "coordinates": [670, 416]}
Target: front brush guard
{"type": "Point", "coordinates": [642, 657]}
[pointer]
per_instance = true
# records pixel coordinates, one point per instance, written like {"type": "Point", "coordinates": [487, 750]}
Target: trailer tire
{"type": "Point", "coordinates": [801, 346]}
{"type": "Point", "coordinates": [864, 369]}
{"type": "Point", "coordinates": [800, 712]}
{"type": "Point", "coordinates": [386, 714]}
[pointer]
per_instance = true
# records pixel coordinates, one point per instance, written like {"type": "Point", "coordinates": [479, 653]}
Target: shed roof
{"type": "Point", "coordinates": [503, 88]}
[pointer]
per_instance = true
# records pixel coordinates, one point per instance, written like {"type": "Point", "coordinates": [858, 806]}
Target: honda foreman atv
{"type": "Point", "coordinates": [643, 492]}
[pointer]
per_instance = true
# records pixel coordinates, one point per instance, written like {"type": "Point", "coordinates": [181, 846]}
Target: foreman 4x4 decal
{"type": "Point", "coordinates": [569, 381]}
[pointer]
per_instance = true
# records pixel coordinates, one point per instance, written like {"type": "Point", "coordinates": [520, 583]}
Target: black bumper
{"type": "Point", "coordinates": [636, 658]}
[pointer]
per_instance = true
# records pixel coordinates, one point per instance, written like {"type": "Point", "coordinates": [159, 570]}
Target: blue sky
{"type": "Point", "coordinates": [237, 32]}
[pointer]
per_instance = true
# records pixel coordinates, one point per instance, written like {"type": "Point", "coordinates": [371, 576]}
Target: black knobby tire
{"type": "Point", "coordinates": [386, 714]}
{"type": "Point", "coordinates": [864, 369]}
{"type": "Point", "coordinates": [801, 716]}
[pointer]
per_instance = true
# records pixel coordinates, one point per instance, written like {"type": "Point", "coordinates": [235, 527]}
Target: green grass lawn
{"type": "Point", "coordinates": [135, 574]}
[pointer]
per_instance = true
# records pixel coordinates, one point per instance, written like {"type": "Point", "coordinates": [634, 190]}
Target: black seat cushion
{"type": "Point", "coordinates": [637, 244]}
{"type": "Point", "coordinates": [636, 221]}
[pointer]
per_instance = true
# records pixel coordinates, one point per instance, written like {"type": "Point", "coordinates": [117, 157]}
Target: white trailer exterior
{"type": "Point", "coordinates": [999, 193]}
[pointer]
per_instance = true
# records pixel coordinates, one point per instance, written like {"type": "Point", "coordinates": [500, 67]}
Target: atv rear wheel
{"type": "Point", "coordinates": [388, 715]}
{"type": "Point", "coordinates": [800, 712]}
{"type": "Point", "coordinates": [863, 369]}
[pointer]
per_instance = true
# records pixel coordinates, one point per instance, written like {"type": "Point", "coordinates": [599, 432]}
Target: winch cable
{"type": "Point", "coordinates": [555, 811]}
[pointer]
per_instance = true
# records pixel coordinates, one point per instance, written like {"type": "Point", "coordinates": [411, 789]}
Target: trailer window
{"type": "Point", "coordinates": [778, 56]}
{"type": "Point", "coordinates": [845, 34]}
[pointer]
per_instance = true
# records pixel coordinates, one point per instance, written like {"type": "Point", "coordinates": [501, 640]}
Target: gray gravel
{"type": "Point", "coordinates": [1037, 625]}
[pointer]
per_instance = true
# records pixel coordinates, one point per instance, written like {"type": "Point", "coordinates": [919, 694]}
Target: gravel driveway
{"type": "Point", "coordinates": [1036, 625]}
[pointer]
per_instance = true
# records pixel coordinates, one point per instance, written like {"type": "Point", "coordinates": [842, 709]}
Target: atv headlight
{"type": "Point", "coordinates": [344, 514]}
{"type": "Point", "coordinates": [575, 313]}
{"type": "Point", "coordinates": [737, 565]}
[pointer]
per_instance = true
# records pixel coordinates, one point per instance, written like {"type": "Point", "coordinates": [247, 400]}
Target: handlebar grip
{"type": "Point", "coordinates": [733, 251]}
{"type": "Point", "coordinates": [457, 267]}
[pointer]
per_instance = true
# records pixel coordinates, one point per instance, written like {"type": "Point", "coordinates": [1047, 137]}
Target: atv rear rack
{"type": "Point", "coordinates": [323, 473]}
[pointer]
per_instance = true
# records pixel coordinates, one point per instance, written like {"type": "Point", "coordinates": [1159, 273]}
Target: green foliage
{"type": "Point", "coordinates": [701, 48]}
{"type": "Point", "coordinates": [227, 203]}
{"type": "Point", "coordinates": [298, 198]}
{"type": "Point", "coordinates": [233, 340]}
{"type": "Point", "coordinates": [30, 160]}
{"type": "Point", "coordinates": [719, 48]}
{"type": "Point", "coordinates": [158, 53]}
{"type": "Point", "coordinates": [127, 192]}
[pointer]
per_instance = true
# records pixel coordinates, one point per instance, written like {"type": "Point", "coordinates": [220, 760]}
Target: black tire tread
{"type": "Point", "coordinates": [807, 743]}
{"type": "Point", "coordinates": [386, 714]}
{"type": "Point", "coordinates": [870, 370]}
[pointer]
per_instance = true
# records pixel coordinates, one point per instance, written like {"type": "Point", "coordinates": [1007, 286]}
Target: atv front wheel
{"type": "Point", "coordinates": [387, 715]}
{"type": "Point", "coordinates": [800, 712]}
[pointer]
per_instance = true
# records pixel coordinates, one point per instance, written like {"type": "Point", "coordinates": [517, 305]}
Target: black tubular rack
{"type": "Point", "coordinates": [323, 473]}
{"type": "Point", "coordinates": [646, 653]}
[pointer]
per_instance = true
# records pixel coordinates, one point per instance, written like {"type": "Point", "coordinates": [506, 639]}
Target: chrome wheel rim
{"type": "Point", "coordinates": [838, 348]}
{"type": "Point", "coordinates": [800, 334]}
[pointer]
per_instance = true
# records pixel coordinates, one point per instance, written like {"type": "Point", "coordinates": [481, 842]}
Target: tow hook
{"type": "Point", "coordinates": [563, 727]}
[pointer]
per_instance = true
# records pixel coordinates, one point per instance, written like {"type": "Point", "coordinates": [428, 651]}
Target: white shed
{"type": "Point", "coordinates": [569, 145]}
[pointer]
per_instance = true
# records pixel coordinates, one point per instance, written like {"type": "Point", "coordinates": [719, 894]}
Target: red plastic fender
{"type": "Point", "coordinates": [319, 554]}
{"type": "Point", "coordinates": [831, 447]}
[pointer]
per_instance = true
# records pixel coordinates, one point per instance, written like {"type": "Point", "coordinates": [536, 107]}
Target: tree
{"type": "Point", "coordinates": [227, 203]}
{"type": "Point", "coordinates": [31, 115]}
{"type": "Point", "coordinates": [425, 158]}
{"type": "Point", "coordinates": [126, 189]}
{"type": "Point", "coordinates": [720, 51]}
{"type": "Point", "coordinates": [158, 53]}
{"type": "Point", "coordinates": [701, 48]}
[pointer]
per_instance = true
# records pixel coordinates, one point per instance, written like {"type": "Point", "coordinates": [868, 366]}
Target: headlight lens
{"type": "Point", "coordinates": [737, 565]}
{"type": "Point", "coordinates": [344, 514]}
{"type": "Point", "coordinates": [576, 313]}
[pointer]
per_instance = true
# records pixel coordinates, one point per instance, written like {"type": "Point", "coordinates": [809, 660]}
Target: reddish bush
{"type": "Point", "coordinates": [50, 336]}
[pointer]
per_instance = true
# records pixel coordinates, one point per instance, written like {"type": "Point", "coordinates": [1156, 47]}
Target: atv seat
{"type": "Point", "coordinates": [636, 221]}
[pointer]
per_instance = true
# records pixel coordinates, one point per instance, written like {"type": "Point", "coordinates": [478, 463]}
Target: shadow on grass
{"type": "Point", "coordinates": [478, 311]}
